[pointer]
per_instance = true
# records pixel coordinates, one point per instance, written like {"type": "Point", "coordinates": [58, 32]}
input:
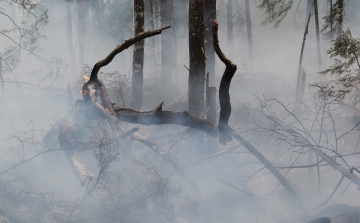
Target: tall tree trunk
{"type": "Point", "coordinates": [210, 15]}
{"type": "Point", "coordinates": [152, 45]}
{"type": "Point", "coordinates": [69, 36]}
{"type": "Point", "coordinates": [167, 46]}
{"type": "Point", "coordinates": [317, 34]}
{"type": "Point", "coordinates": [297, 108]}
{"type": "Point", "coordinates": [197, 57]}
{"type": "Point", "coordinates": [138, 57]}
{"type": "Point", "coordinates": [196, 82]}
{"type": "Point", "coordinates": [157, 38]}
{"type": "Point", "coordinates": [248, 28]}
{"type": "Point", "coordinates": [229, 19]}
{"type": "Point", "coordinates": [81, 33]}
{"type": "Point", "coordinates": [339, 17]}
{"type": "Point", "coordinates": [331, 21]}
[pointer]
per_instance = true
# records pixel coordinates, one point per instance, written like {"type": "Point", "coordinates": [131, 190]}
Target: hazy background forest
{"type": "Point", "coordinates": [298, 119]}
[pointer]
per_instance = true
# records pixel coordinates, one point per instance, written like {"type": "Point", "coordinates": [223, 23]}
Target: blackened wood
{"type": "Point", "coordinates": [299, 76]}
{"type": "Point", "coordinates": [120, 48]}
{"type": "Point", "coordinates": [165, 117]}
{"type": "Point", "coordinates": [317, 33]}
{"type": "Point", "coordinates": [196, 86]}
{"type": "Point", "coordinates": [138, 57]}
{"type": "Point", "coordinates": [224, 95]}
{"type": "Point", "coordinates": [210, 15]}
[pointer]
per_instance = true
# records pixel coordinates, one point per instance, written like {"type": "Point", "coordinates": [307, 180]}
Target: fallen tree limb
{"type": "Point", "coordinates": [185, 119]}
{"type": "Point", "coordinates": [106, 112]}
{"type": "Point", "coordinates": [166, 117]}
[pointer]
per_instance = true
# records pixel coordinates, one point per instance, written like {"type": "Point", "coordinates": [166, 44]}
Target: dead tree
{"type": "Point", "coordinates": [317, 33]}
{"type": "Point", "coordinates": [91, 104]}
{"type": "Point", "coordinates": [230, 25]}
{"type": "Point", "coordinates": [297, 107]}
{"type": "Point", "coordinates": [138, 57]}
{"type": "Point", "coordinates": [90, 90]}
{"type": "Point", "coordinates": [210, 15]}
{"type": "Point", "coordinates": [196, 83]}
{"type": "Point", "coordinates": [248, 28]}
{"type": "Point", "coordinates": [224, 95]}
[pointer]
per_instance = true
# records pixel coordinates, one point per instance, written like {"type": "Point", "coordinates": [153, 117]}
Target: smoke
{"type": "Point", "coordinates": [137, 184]}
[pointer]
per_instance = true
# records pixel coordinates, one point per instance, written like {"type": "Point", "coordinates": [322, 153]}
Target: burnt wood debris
{"type": "Point", "coordinates": [105, 109]}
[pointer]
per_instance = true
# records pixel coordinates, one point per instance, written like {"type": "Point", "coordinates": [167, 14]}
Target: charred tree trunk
{"type": "Point", "coordinates": [196, 82]}
{"type": "Point", "coordinates": [248, 28]}
{"type": "Point", "coordinates": [224, 95]}
{"type": "Point", "coordinates": [331, 21]}
{"type": "Point", "coordinates": [210, 112]}
{"type": "Point", "coordinates": [297, 108]}
{"type": "Point", "coordinates": [317, 34]}
{"type": "Point", "coordinates": [167, 46]}
{"type": "Point", "coordinates": [152, 45]}
{"type": "Point", "coordinates": [339, 17]}
{"type": "Point", "coordinates": [81, 32]}
{"type": "Point", "coordinates": [229, 19]}
{"type": "Point", "coordinates": [210, 15]}
{"type": "Point", "coordinates": [138, 57]}
{"type": "Point", "coordinates": [69, 36]}
{"type": "Point", "coordinates": [197, 57]}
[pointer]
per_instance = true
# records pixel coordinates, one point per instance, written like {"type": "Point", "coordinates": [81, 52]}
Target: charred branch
{"type": "Point", "coordinates": [165, 117]}
{"type": "Point", "coordinates": [120, 48]}
{"type": "Point", "coordinates": [224, 95]}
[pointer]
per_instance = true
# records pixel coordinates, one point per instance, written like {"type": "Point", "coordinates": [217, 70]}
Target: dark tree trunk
{"type": "Point", "coordinates": [248, 28]}
{"type": "Point", "coordinates": [167, 46]}
{"type": "Point", "coordinates": [317, 34]}
{"type": "Point", "coordinates": [69, 36]}
{"type": "Point", "coordinates": [210, 15]}
{"type": "Point", "coordinates": [81, 29]}
{"type": "Point", "coordinates": [339, 17]}
{"type": "Point", "coordinates": [297, 108]}
{"type": "Point", "coordinates": [196, 82]}
{"type": "Point", "coordinates": [331, 20]}
{"type": "Point", "coordinates": [229, 19]}
{"type": "Point", "coordinates": [197, 57]}
{"type": "Point", "coordinates": [152, 45]}
{"type": "Point", "coordinates": [138, 56]}
{"type": "Point", "coordinates": [157, 25]}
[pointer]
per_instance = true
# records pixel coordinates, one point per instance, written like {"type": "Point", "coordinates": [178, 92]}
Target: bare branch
{"type": "Point", "coordinates": [122, 47]}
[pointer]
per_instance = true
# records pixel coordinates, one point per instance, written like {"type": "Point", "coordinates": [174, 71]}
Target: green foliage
{"type": "Point", "coordinates": [345, 56]}
{"type": "Point", "coordinates": [275, 11]}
